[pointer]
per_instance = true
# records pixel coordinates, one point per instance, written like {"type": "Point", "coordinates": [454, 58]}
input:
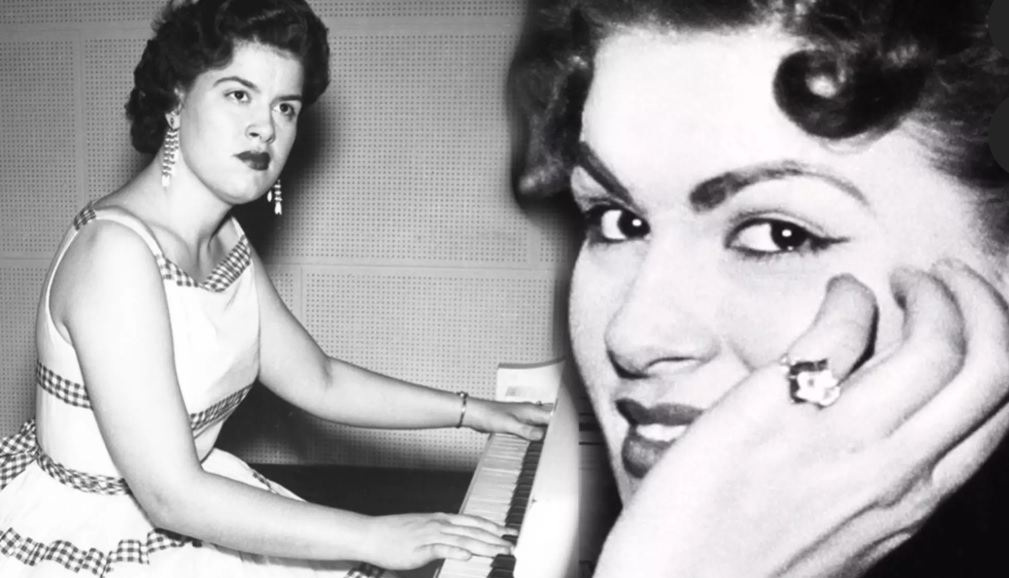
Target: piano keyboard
{"type": "Point", "coordinates": [529, 486]}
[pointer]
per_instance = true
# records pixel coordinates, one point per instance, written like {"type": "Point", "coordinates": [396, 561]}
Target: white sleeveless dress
{"type": "Point", "coordinates": [65, 508]}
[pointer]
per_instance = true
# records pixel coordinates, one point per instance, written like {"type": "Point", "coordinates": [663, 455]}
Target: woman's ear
{"type": "Point", "coordinates": [172, 116]}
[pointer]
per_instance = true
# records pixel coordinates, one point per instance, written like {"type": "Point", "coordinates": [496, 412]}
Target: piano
{"type": "Point", "coordinates": [529, 486]}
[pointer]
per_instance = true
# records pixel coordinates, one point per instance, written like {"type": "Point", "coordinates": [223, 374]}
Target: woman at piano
{"type": "Point", "coordinates": [156, 317]}
{"type": "Point", "coordinates": [789, 306]}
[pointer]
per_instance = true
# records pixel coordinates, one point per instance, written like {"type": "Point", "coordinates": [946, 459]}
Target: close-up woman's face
{"type": "Point", "coordinates": [714, 224]}
{"type": "Point", "coordinates": [239, 122]}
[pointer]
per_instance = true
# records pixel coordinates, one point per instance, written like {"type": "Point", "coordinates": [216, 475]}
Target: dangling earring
{"type": "Point", "coordinates": [273, 196]}
{"type": "Point", "coordinates": [170, 155]}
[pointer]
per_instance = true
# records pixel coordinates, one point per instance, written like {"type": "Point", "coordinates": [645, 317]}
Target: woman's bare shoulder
{"type": "Point", "coordinates": [107, 261]}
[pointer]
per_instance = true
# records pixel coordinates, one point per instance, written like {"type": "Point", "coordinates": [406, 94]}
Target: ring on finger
{"type": "Point", "coordinates": [811, 381]}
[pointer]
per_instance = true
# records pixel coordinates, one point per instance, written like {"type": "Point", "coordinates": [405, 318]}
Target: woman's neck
{"type": "Point", "coordinates": [186, 210]}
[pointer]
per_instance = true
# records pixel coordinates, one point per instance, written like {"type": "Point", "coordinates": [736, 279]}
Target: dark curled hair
{"type": "Point", "coordinates": [194, 36]}
{"type": "Point", "coordinates": [865, 67]}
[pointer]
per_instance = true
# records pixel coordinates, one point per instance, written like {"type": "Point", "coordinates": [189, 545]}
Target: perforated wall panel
{"type": "Point", "coordinates": [108, 79]}
{"type": "Point", "coordinates": [448, 330]}
{"type": "Point", "coordinates": [38, 152]}
{"type": "Point", "coordinates": [287, 280]}
{"type": "Point", "coordinates": [434, 328]}
{"type": "Point", "coordinates": [557, 234]}
{"type": "Point", "coordinates": [409, 157]}
{"type": "Point", "coordinates": [64, 12]}
{"type": "Point", "coordinates": [20, 286]}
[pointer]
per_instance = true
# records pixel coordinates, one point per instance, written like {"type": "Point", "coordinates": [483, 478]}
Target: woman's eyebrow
{"type": "Point", "coordinates": [715, 191]}
{"type": "Point", "coordinates": [251, 86]}
{"type": "Point", "coordinates": [591, 164]}
{"type": "Point", "coordinates": [246, 83]}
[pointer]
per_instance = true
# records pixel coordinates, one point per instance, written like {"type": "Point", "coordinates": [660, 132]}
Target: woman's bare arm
{"type": "Point", "coordinates": [109, 296]}
{"type": "Point", "coordinates": [294, 366]}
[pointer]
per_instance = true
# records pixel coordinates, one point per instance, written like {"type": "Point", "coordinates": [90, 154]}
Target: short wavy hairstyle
{"type": "Point", "coordinates": [886, 61]}
{"type": "Point", "coordinates": [193, 36]}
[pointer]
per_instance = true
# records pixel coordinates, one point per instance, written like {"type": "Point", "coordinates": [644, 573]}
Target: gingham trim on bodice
{"type": "Point", "coordinates": [65, 390]}
{"type": "Point", "coordinates": [218, 411]}
{"type": "Point", "coordinates": [75, 394]}
{"type": "Point", "coordinates": [21, 449]}
{"type": "Point", "coordinates": [223, 276]}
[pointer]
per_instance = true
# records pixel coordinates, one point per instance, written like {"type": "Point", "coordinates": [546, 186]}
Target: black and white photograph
{"type": "Point", "coordinates": [504, 288]}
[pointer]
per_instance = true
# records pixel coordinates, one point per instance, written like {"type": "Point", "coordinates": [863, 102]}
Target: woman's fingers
{"type": "Point", "coordinates": [534, 413]}
{"type": "Point", "coordinates": [476, 546]}
{"type": "Point", "coordinates": [526, 420]}
{"type": "Point", "coordinates": [843, 328]}
{"type": "Point", "coordinates": [445, 551]}
{"type": "Point", "coordinates": [840, 334]}
{"type": "Point", "coordinates": [473, 534]}
{"type": "Point", "coordinates": [974, 402]}
{"type": "Point", "coordinates": [481, 523]}
{"type": "Point", "coordinates": [896, 385]}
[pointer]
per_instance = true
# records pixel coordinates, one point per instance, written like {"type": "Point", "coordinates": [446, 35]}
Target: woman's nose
{"type": "Point", "coordinates": [262, 128]}
{"type": "Point", "coordinates": [665, 321]}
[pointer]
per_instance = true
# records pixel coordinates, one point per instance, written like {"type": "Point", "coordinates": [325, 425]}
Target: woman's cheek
{"type": "Point", "coordinates": [594, 298]}
{"type": "Point", "coordinates": [768, 317]}
{"type": "Point", "coordinates": [764, 321]}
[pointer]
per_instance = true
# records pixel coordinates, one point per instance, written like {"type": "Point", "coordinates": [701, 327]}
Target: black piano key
{"type": "Point", "coordinates": [514, 539]}
{"type": "Point", "coordinates": [503, 561]}
{"type": "Point", "coordinates": [517, 511]}
{"type": "Point", "coordinates": [516, 514]}
{"type": "Point", "coordinates": [500, 573]}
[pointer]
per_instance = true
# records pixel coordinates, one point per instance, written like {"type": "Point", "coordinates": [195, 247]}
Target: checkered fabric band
{"type": "Point", "coordinates": [218, 411]}
{"type": "Point", "coordinates": [91, 561]}
{"type": "Point", "coordinates": [262, 480]}
{"type": "Point", "coordinates": [64, 389]}
{"type": "Point", "coordinates": [221, 278]}
{"type": "Point", "coordinates": [17, 452]}
{"type": "Point", "coordinates": [21, 449]}
{"type": "Point", "coordinates": [76, 395]}
{"type": "Point", "coordinates": [84, 217]}
{"type": "Point", "coordinates": [85, 482]}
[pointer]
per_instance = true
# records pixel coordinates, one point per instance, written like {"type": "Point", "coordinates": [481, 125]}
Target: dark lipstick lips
{"type": "Point", "coordinates": [639, 453]}
{"type": "Point", "coordinates": [258, 161]}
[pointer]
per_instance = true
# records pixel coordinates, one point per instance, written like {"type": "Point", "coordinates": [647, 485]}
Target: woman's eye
{"type": "Point", "coordinates": [613, 224]}
{"type": "Point", "coordinates": [770, 237]}
{"type": "Point", "coordinates": [288, 110]}
{"type": "Point", "coordinates": [239, 95]}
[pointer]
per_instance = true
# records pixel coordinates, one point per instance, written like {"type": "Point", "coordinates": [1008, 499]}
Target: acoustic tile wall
{"type": "Point", "coordinates": [400, 247]}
